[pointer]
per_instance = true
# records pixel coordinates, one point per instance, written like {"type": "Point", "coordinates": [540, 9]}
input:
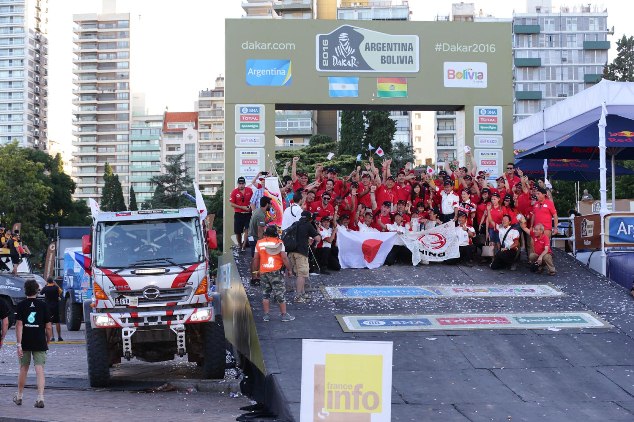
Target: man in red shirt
{"type": "Point", "coordinates": [324, 207]}
{"type": "Point", "coordinates": [337, 184]}
{"type": "Point", "coordinates": [544, 212]}
{"type": "Point", "coordinates": [542, 254]}
{"type": "Point", "coordinates": [403, 188]}
{"type": "Point", "coordinates": [387, 192]}
{"type": "Point", "coordinates": [510, 176]}
{"type": "Point", "coordinates": [240, 199]}
{"type": "Point", "coordinates": [384, 218]}
{"type": "Point", "coordinates": [300, 180]}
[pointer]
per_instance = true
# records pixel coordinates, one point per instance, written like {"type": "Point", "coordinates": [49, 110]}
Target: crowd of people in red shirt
{"type": "Point", "coordinates": [501, 215]}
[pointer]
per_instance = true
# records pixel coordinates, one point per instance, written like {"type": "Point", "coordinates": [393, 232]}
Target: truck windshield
{"type": "Point", "coordinates": [148, 243]}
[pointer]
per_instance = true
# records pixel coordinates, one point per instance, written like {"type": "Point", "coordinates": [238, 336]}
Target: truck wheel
{"type": "Point", "coordinates": [9, 306]}
{"type": "Point", "coordinates": [73, 312]}
{"type": "Point", "coordinates": [214, 362]}
{"type": "Point", "coordinates": [97, 356]}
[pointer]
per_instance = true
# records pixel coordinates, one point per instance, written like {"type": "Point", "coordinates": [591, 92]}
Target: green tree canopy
{"type": "Point", "coordinates": [622, 67]}
{"type": "Point", "coordinates": [112, 192]}
{"type": "Point", "coordinates": [352, 133]}
{"type": "Point", "coordinates": [380, 131]}
{"type": "Point", "coordinates": [402, 154]}
{"type": "Point", "coordinates": [133, 205]}
{"type": "Point", "coordinates": [171, 185]}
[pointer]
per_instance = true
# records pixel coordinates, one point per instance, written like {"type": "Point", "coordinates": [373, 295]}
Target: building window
{"type": "Point", "coordinates": [549, 25]}
{"type": "Point", "coordinates": [571, 24]}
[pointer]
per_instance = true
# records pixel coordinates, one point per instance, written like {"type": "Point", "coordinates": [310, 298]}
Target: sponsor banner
{"type": "Point", "coordinates": [588, 232]}
{"type": "Point", "coordinates": [268, 73]}
{"type": "Point", "coordinates": [343, 87]}
{"type": "Point", "coordinates": [250, 119]}
{"type": "Point", "coordinates": [391, 87]}
{"type": "Point", "coordinates": [465, 74]}
{"type": "Point", "coordinates": [439, 243]}
{"type": "Point", "coordinates": [446, 322]}
{"type": "Point", "coordinates": [487, 120]}
{"type": "Point", "coordinates": [249, 140]}
{"type": "Point", "coordinates": [619, 230]}
{"type": "Point", "coordinates": [490, 161]}
{"type": "Point", "coordinates": [352, 49]}
{"type": "Point", "coordinates": [249, 162]}
{"type": "Point", "coordinates": [440, 292]}
{"type": "Point", "coordinates": [346, 381]}
{"type": "Point", "coordinates": [488, 141]}
{"type": "Point", "coordinates": [272, 190]}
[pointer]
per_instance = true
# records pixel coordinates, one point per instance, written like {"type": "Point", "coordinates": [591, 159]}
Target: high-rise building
{"type": "Point", "coordinates": [211, 137]}
{"type": "Point", "coordinates": [23, 72]}
{"type": "Point", "coordinates": [180, 136]}
{"type": "Point", "coordinates": [102, 99]}
{"type": "Point", "coordinates": [423, 137]}
{"type": "Point", "coordinates": [557, 53]}
{"type": "Point", "coordinates": [258, 9]}
{"type": "Point", "coordinates": [145, 155]}
{"type": "Point", "coordinates": [294, 9]}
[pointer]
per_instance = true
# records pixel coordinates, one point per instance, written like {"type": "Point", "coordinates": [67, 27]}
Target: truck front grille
{"type": "Point", "coordinates": [165, 295]}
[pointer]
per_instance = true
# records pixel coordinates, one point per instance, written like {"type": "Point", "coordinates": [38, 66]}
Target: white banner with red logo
{"type": "Point", "coordinates": [369, 249]}
{"type": "Point", "coordinates": [364, 250]}
{"type": "Point", "coordinates": [272, 190]}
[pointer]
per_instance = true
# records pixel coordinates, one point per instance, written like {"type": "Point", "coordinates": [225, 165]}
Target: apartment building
{"type": "Point", "coordinates": [145, 155]}
{"type": "Point", "coordinates": [211, 137]}
{"type": "Point", "coordinates": [180, 136]}
{"type": "Point", "coordinates": [23, 72]}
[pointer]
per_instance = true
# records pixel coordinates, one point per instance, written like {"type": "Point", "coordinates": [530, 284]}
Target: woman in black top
{"type": "Point", "coordinates": [51, 294]}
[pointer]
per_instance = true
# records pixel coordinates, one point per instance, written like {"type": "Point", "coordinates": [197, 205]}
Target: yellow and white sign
{"type": "Point", "coordinates": [346, 381]}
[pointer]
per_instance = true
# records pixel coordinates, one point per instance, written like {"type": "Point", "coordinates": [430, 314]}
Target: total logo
{"type": "Point", "coordinates": [465, 74]}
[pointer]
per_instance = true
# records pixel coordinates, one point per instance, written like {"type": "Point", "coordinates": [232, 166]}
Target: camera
{"type": "Point", "coordinates": [265, 173]}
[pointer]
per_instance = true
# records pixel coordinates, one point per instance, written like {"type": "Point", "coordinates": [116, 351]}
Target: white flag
{"type": "Point", "coordinates": [200, 204]}
{"type": "Point", "coordinates": [440, 243]}
{"type": "Point", "coordinates": [370, 147]}
{"type": "Point", "coordinates": [379, 152]}
{"type": "Point", "coordinates": [364, 249]}
{"type": "Point", "coordinates": [94, 208]}
{"type": "Point", "coordinates": [358, 157]}
{"type": "Point", "coordinates": [330, 155]}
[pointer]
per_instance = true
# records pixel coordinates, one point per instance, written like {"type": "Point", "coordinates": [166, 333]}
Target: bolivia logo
{"type": "Point", "coordinates": [370, 248]}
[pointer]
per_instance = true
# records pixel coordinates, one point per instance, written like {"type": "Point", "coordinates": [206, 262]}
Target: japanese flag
{"type": "Point", "coordinates": [364, 249]}
{"type": "Point", "coordinates": [430, 170]}
{"type": "Point", "coordinates": [379, 152]}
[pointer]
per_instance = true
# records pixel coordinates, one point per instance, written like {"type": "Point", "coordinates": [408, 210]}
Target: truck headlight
{"type": "Point", "coordinates": [104, 321]}
{"type": "Point", "coordinates": [201, 315]}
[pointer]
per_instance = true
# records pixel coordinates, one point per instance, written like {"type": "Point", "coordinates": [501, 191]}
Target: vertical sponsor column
{"type": "Point", "coordinates": [249, 140]}
{"type": "Point", "coordinates": [488, 140]}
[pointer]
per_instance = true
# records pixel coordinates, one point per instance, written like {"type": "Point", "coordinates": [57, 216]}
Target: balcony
{"type": "Point", "coordinates": [528, 95]}
{"type": "Point", "coordinates": [527, 62]}
{"type": "Point", "coordinates": [596, 45]}
{"type": "Point", "coordinates": [592, 78]}
{"type": "Point", "coordinates": [295, 5]}
{"type": "Point", "coordinates": [153, 157]}
{"type": "Point", "coordinates": [526, 29]}
{"type": "Point", "coordinates": [156, 168]}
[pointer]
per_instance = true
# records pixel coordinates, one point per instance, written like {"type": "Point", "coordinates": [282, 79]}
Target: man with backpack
{"type": "Point", "coordinates": [297, 240]}
{"type": "Point", "coordinates": [293, 212]}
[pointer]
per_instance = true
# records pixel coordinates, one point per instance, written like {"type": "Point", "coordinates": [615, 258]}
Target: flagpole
{"type": "Point", "coordinates": [603, 184]}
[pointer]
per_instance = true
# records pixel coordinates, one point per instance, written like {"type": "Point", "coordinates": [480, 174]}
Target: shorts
{"type": "Point", "coordinates": [494, 236]}
{"type": "Point", "coordinates": [241, 222]}
{"type": "Point", "coordinates": [299, 263]}
{"type": "Point", "coordinates": [39, 357]}
{"type": "Point", "coordinates": [53, 310]}
{"type": "Point", "coordinates": [15, 259]}
{"type": "Point", "coordinates": [273, 283]}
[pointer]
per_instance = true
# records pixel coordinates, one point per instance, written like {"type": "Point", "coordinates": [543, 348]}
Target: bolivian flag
{"type": "Point", "coordinates": [391, 87]}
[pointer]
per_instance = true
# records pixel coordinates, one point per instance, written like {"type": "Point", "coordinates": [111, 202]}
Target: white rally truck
{"type": "Point", "coordinates": [151, 294]}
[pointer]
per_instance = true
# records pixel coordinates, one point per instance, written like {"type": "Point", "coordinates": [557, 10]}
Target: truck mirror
{"type": "Point", "coordinates": [86, 244]}
{"type": "Point", "coordinates": [212, 240]}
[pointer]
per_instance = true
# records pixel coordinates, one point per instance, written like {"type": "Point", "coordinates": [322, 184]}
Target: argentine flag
{"type": "Point", "coordinates": [343, 87]}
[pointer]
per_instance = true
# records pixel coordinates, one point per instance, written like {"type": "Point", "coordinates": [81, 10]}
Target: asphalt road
{"type": "Point", "coordinates": [140, 391]}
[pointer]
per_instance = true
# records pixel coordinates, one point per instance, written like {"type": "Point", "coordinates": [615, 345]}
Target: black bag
{"type": "Point", "coordinates": [289, 237]}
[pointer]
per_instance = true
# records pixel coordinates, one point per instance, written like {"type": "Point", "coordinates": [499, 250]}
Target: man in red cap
{"type": "Point", "coordinates": [240, 200]}
{"type": "Point", "coordinates": [544, 213]}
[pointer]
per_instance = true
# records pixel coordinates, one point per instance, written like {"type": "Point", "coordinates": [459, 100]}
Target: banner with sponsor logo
{"type": "Point", "coordinates": [346, 381]}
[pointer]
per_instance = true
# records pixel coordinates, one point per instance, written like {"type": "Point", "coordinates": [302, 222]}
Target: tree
{"type": "Point", "coordinates": [118, 200]}
{"type": "Point", "coordinates": [319, 139]}
{"type": "Point", "coordinates": [622, 68]}
{"type": "Point", "coordinates": [313, 155]}
{"type": "Point", "coordinates": [402, 154]}
{"type": "Point", "coordinates": [352, 132]}
{"type": "Point", "coordinates": [112, 192]}
{"type": "Point", "coordinates": [172, 184]}
{"type": "Point", "coordinates": [380, 131]}
{"type": "Point", "coordinates": [133, 205]}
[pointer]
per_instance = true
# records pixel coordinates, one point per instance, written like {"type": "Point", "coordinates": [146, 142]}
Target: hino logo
{"type": "Point", "coordinates": [151, 293]}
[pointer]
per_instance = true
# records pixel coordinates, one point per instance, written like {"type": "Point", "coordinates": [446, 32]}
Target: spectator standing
{"type": "Point", "coordinates": [240, 200]}
{"type": "Point", "coordinates": [448, 202]}
{"type": "Point", "coordinates": [328, 235]}
{"type": "Point", "coordinates": [544, 212]}
{"type": "Point", "coordinates": [4, 321]}
{"type": "Point", "coordinates": [293, 212]}
{"type": "Point", "coordinates": [306, 235]}
{"type": "Point", "coordinates": [541, 254]}
{"type": "Point", "coordinates": [51, 294]}
{"type": "Point", "coordinates": [267, 264]}
{"type": "Point", "coordinates": [33, 333]}
{"type": "Point", "coordinates": [510, 241]}
{"type": "Point", "coordinates": [14, 253]}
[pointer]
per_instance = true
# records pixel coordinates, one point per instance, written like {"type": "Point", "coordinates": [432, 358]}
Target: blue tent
{"type": "Point", "coordinates": [567, 169]}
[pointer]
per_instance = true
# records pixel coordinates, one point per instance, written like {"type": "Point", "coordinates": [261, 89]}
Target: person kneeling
{"type": "Point", "coordinates": [267, 264]}
{"type": "Point", "coordinates": [510, 240]}
{"type": "Point", "coordinates": [542, 254]}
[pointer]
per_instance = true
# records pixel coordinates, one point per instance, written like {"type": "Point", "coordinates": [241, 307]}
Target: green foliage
{"type": "Point", "coordinates": [171, 185]}
{"type": "Point", "coordinates": [319, 139]}
{"type": "Point", "coordinates": [352, 133]}
{"type": "Point", "coordinates": [310, 156]}
{"type": "Point", "coordinates": [133, 205]}
{"type": "Point", "coordinates": [380, 131]}
{"type": "Point", "coordinates": [622, 68]}
{"type": "Point", "coordinates": [215, 206]}
{"type": "Point", "coordinates": [112, 192]}
{"type": "Point", "coordinates": [402, 154]}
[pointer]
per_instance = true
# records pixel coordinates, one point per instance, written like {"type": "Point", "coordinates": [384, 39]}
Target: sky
{"type": "Point", "coordinates": [177, 48]}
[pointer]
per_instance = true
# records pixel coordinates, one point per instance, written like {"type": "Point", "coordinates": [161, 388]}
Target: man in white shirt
{"type": "Point", "coordinates": [510, 240]}
{"type": "Point", "coordinates": [448, 202]}
{"type": "Point", "coordinates": [465, 233]}
{"type": "Point", "coordinates": [292, 213]}
{"type": "Point", "coordinates": [366, 224]}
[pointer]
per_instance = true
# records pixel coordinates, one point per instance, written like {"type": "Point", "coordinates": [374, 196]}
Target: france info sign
{"type": "Point", "coordinates": [448, 322]}
{"type": "Point", "coordinates": [249, 118]}
{"type": "Point", "coordinates": [487, 120]}
{"type": "Point", "coordinates": [352, 49]}
{"type": "Point", "coordinates": [346, 381]}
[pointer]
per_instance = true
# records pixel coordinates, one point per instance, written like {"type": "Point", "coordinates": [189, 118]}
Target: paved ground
{"type": "Point", "coordinates": [485, 375]}
{"type": "Point", "coordinates": [133, 395]}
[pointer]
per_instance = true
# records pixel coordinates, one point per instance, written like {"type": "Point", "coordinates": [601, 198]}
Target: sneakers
{"type": "Point", "coordinates": [266, 318]}
{"type": "Point", "coordinates": [16, 400]}
{"type": "Point", "coordinates": [513, 267]}
{"type": "Point", "coordinates": [52, 339]}
{"type": "Point", "coordinates": [39, 404]}
{"type": "Point", "coordinates": [300, 299]}
{"type": "Point", "coordinates": [60, 339]}
{"type": "Point", "coordinates": [287, 317]}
